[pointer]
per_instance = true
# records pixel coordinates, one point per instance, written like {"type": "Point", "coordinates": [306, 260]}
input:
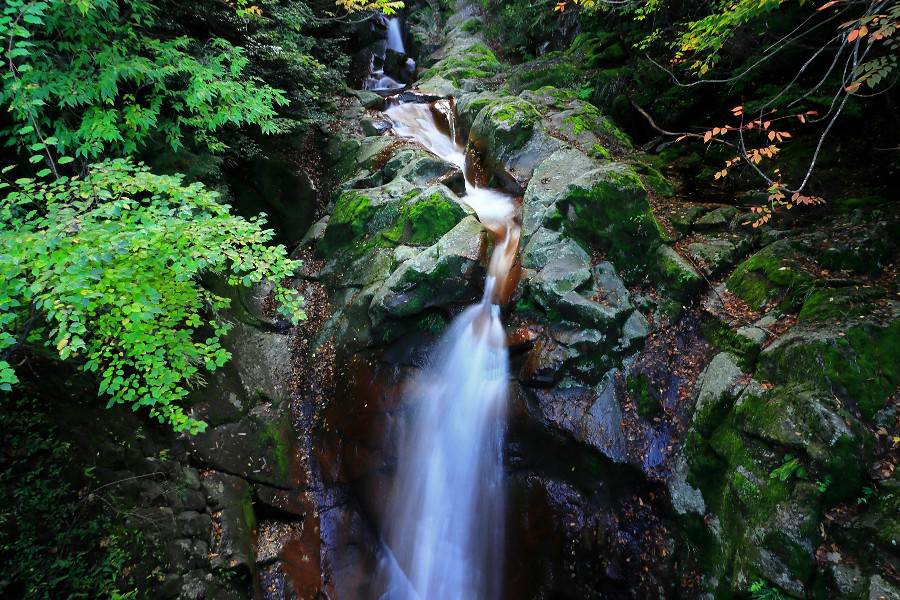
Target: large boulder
{"type": "Point", "coordinates": [591, 416]}
{"type": "Point", "coordinates": [393, 214]}
{"type": "Point", "coordinates": [602, 205]}
{"type": "Point", "coordinates": [441, 275]}
{"type": "Point", "coordinates": [508, 134]}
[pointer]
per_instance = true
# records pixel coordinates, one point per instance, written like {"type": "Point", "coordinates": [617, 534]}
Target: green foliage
{"type": "Point", "coordinates": [519, 27]}
{"type": "Point", "coordinates": [106, 270]}
{"type": "Point", "coordinates": [91, 78]}
{"type": "Point", "coordinates": [790, 467]}
{"type": "Point", "coordinates": [760, 590]}
{"type": "Point", "coordinates": [387, 7]}
{"type": "Point", "coordinates": [52, 543]}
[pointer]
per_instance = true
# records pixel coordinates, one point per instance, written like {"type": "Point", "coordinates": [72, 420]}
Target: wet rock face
{"type": "Point", "coordinates": [643, 460]}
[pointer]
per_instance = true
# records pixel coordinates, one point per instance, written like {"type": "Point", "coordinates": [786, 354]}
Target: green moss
{"type": "Point", "coordinates": [471, 25]}
{"type": "Point", "coordinates": [672, 275]}
{"type": "Point", "coordinates": [274, 435]}
{"type": "Point", "coordinates": [614, 214]}
{"type": "Point", "coordinates": [837, 304]}
{"type": "Point", "coordinates": [727, 339]}
{"type": "Point", "coordinates": [586, 118]}
{"type": "Point", "coordinates": [653, 177]}
{"type": "Point", "coordinates": [432, 323]}
{"type": "Point", "coordinates": [505, 125]}
{"type": "Point", "coordinates": [410, 195]}
{"type": "Point", "coordinates": [556, 74]}
{"type": "Point", "coordinates": [515, 111]}
{"type": "Point", "coordinates": [422, 223]}
{"type": "Point", "coordinates": [560, 96]}
{"type": "Point", "coordinates": [772, 273]}
{"type": "Point", "coordinates": [475, 62]}
{"type": "Point", "coordinates": [609, 129]}
{"type": "Point", "coordinates": [347, 223]}
{"type": "Point", "coordinates": [863, 364]}
{"type": "Point", "coordinates": [249, 514]}
{"type": "Point", "coordinates": [598, 151]}
{"type": "Point", "coordinates": [598, 49]}
{"type": "Point", "coordinates": [639, 392]}
{"type": "Point", "coordinates": [846, 205]}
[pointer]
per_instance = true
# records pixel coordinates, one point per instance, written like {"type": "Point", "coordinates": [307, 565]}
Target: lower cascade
{"type": "Point", "coordinates": [444, 538]}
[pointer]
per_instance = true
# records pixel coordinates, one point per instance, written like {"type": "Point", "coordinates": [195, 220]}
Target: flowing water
{"type": "Point", "coordinates": [377, 79]}
{"type": "Point", "coordinates": [444, 537]}
{"type": "Point", "coordinates": [395, 35]}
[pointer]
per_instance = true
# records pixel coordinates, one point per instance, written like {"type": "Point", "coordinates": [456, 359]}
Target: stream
{"type": "Point", "coordinates": [445, 531]}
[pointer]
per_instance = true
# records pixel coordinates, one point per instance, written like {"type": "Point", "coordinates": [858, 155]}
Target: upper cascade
{"type": "Point", "coordinates": [395, 36]}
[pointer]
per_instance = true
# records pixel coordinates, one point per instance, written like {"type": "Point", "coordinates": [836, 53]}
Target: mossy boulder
{"type": "Point", "coordinates": [837, 304]}
{"type": "Point", "coordinates": [584, 124]}
{"type": "Point", "coordinates": [776, 273]}
{"type": "Point", "coordinates": [423, 220]}
{"type": "Point", "coordinates": [508, 135]}
{"type": "Point", "coordinates": [603, 206]}
{"type": "Point", "coordinates": [719, 218]}
{"type": "Point", "coordinates": [393, 214]}
{"type": "Point", "coordinates": [650, 168]}
{"type": "Point", "coordinates": [812, 423]}
{"type": "Point", "coordinates": [439, 276]}
{"type": "Point", "coordinates": [867, 247]}
{"type": "Point", "coordinates": [859, 362]}
{"type": "Point", "coordinates": [756, 525]}
{"type": "Point", "coordinates": [476, 61]}
{"type": "Point", "coordinates": [549, 71]}
{"type": "Point", "coordinates": [718, 252]}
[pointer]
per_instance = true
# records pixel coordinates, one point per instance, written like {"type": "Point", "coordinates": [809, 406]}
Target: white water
{"type": "Point", "coordinates": [395, 35]}
{"type": "Point", "coordinates": [445, 531]}
{"type": "Point", "coordinates": [377, 79]}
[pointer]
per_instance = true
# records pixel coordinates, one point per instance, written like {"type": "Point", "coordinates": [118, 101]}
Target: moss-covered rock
{"type": "Point", "coordinates": [775, 273]}
{"type": "Point", "coordinates": [836, 304]}
{"type": "Point", "coordinates": [439, 276]}
{"type": "Point", "coordinates": [553, 71]}
{"type": "Point", "coordinates": [396, 213]}
{"type": "Point", "coordinates": [509, 136]}
{"type": "Point", "coordinates": [423, 221]}
{"type": "Point", "coordinates": [504, 125]}
{"type": "Point", "coordinates": [650, 168]}
{"type": "Point", "coordinates": [673, 274]}
{"type": "Point", "coordinates": [860, 363]}
{"type": "Point", "coordinates": [717, 252]}
{"type": "Point", "coordinates": [476, 61]}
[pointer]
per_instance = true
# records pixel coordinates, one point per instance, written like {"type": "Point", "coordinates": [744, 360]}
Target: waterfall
{"type": "Point", "coordinates": [395, 36]}
{"type": "Point", "coordinates": [400, 72]}
{"type": "Point", "coordinates": [444, 537]}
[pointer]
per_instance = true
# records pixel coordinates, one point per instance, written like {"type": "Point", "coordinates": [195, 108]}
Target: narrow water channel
{"type": "Point", "coordinates": [445, 531]}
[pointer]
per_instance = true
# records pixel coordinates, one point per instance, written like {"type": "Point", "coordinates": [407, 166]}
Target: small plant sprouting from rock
{"type": "Point", "coordinates": [790, 467]}
{"type": "Point", "coordinates": [760, 590]}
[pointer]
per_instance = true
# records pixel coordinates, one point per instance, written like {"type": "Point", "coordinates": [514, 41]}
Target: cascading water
{"type": "Point", "coordinates": [378, 79]}
{"type": "Point", "coordinates": [395, 36]}
{"type": "Point", "coordinates": [444, 538]}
